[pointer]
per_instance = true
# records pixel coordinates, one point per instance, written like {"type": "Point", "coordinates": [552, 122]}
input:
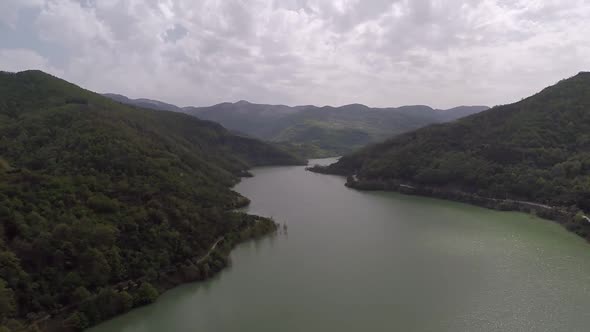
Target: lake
{"type": "Point", "coordinates": [375, 261]}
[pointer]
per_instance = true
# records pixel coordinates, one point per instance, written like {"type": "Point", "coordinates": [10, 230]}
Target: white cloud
{"type": "Point", "coordinates": [15, 60]}
{"type": "Point", "coordinates": [72, 25]}
{"type": "Point", "coordinates": [9, 10]}
{"type": "Point", "coordinates": [381, 52]}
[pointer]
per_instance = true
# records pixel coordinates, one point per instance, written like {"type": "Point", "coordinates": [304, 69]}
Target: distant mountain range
{"type": "Point", "coordinates": [313, 131]}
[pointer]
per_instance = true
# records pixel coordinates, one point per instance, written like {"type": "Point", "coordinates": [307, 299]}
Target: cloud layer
{"type": "Point", "coordinates": [379, 52]}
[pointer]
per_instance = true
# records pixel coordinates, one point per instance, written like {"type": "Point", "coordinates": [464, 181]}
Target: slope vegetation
{"type": "Point", "coordinates": [94, 193]}
{"type": "Point", "coordinates": [535, 150]}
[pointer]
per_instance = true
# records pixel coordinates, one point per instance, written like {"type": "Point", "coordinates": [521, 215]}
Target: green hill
{"type": "Point", "coordinates": [329, 141]}
{"type": "Point", "coordinates": [535, 150]}
{"type": "Point", "coordinates": [93, 193]}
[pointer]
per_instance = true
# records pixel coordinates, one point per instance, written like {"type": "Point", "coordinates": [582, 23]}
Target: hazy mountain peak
{"type": "Point", "coordinates": [355, 105]}
{"type": "Point", "coordinates": [143, 102]}
{"type": "Point", "coordinates": [331, 130]}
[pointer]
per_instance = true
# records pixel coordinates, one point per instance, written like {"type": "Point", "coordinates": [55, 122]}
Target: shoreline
{"type": "Point", "coordinates": [195, 269]}
{"type": "Point", "coordinates": [571, 218]}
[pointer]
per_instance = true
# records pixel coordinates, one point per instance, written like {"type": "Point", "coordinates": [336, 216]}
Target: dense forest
{"type": "Point", "coordinates": [94, 193]}
{"type": "Point", "coordinates": [535, 150]}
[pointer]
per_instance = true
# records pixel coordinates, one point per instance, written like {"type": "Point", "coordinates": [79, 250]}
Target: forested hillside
{"type": "Point", "coordinates": [535, 150]}
{"type": "Point", "coordinates": [93, 193]}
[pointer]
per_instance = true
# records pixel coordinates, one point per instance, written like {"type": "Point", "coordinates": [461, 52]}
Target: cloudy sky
{"type": "Point", "coordinates": [441, 53]}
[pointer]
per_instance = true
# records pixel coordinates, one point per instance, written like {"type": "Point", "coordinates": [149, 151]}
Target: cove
{"type": "Point", "coordinates": [376, 261]}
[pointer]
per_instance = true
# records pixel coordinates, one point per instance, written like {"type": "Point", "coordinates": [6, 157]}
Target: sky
{"type": "Point", "coordinates": [324, 52]}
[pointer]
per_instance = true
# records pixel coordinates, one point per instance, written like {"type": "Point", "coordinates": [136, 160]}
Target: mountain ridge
{"type": "Point", "coordinates": [124, 99]}
{"type": "Point", "coordinates": [323, 131]}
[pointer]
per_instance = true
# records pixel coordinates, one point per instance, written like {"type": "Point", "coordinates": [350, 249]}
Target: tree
{"type": "Point", "coordinates": [10, 268]}
{"type": "Point", "coordinates": [95, 267]}
{"type": "Point", "coordinates": [146, 294]}
{"type": "Point", "coordinates": [7, 305]}
{"type": "Point", "coordinates": [80, 294]}
{"type": "Point", "coordinates": [4, 166]}
{"type": "Point", "coordinates": [102, 204]}
{"type": "Point", "coordinates": [77, 321]}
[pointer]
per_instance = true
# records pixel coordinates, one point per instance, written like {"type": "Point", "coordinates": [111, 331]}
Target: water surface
{"type": "Point", "coordinates": [372, 261]}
